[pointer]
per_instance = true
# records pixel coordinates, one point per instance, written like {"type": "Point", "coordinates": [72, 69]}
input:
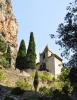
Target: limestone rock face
{"type": "Point", "coordinates": [9, 27]}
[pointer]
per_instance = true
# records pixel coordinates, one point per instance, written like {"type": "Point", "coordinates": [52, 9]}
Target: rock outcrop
{"type": "Point", "coordinates": [9, 27]}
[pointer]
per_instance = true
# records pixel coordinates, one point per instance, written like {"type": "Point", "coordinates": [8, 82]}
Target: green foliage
{"type": "Point", "coordinates": [64, 78]}
{"type": "Point", "coordinates": [23, 85]}
{"type": "Point", "coordinates": [56, 94]}
{"type": "Point", "coordinates": [57, 85]}
{"type": "Point", "coordinates": [3, 45]}
{"type": "Point", "coordinates": [3, 48]}
{"type": "Point", "coordinates": [64, 74]}
{"type": "Point", "coordinates": [36, 81]}
{"type": "Point", "coordinates": [31, 54]}
{"type": "Point", "coordinates": [2, 76]}
{"type": "Point", "coordinates": [4, 62]}
{"type": "Point", "coordinates": [44, 90]}
{"type": "Point", "coordinates": [65, 89]}
{"type": "Point", "coordinates": [23, 60]}
{"type": "Point", "coordinates": [8, 56]}
{"type": "Point", "coordinates": [21, 56]}
{"type": "Point", "coordinates": [5, 53]}
{"type": "Point", "coordinates": [67, 34]}
{"type": "Point", "coordinates": [45, 76]}
{"type": "Point", "coordinates": [17, 91]}
{"type": "Point", "coordinates": [22, 49]}
{"type": "Point", "coordinates": [73, 75]}
{"type": "Point", "coordinates": [62, 83]}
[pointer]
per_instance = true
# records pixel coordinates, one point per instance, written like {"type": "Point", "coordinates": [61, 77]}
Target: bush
{"type": "Point", "coordinates": [3, 61]}
{"type": "Point", "coordinates": [46, 76]}
{"type": "Point", "coordinates": [23, 85]}
{"type": "Point", "coordinates": [57, 85]}
{"type": "Point", "coordinates": [17, 91]}
{"type": "Point", "coordinates": [4, 53]}
{"type": "Point", "coordinates": [66, 89]}
{"type": "Point", "coordinates": [44, 90]}
{"type": "Point", "coordinates": [3, 45]}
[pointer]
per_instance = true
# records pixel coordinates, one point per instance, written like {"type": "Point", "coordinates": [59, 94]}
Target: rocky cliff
{"type": "Point", "coordinates": [9, 27]}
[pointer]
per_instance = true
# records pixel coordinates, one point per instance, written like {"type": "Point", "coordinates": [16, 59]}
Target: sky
{"type": "Point", "coordinates": [41, 17]}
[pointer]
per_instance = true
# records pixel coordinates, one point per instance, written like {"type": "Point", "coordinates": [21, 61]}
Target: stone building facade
{"type": "Point", "coordinates": [50, 62]}
{"type": "Point", "coordinates": [9, 27]}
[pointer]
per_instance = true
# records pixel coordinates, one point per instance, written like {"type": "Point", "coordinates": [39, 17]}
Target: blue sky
{"type": "Point", "coordinates": [41, 17]}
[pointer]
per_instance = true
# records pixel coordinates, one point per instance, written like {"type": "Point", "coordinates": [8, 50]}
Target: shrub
{"type": "Point", "coordinates": [17, 91]}
{"type": "Point", "coordinates": [3, 61]}
{"type": "Point", "coordinates": [44, 90]}
{"type": "Point", "coordinates": [4, 53]}
{"type": "Point", "coordinates": [23, 85]}
{"type": "Point", "coordinates": [64, 81]}
{"type": "Point", "coordinates": [57, 85]}
{"type": "Point", "coordinates": [67, 88]}
{"type": "Point", "coordinates": [46, 76]}
{"type": "Point", "coordinates": [2, 44]}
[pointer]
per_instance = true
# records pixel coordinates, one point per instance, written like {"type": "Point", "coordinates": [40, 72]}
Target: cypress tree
{"type": "Point", "coordinates": [21, 56]}
{"type": "Point", "coordinates": [31, 55]}
{"type": "Point", "coordinates": [36, 81]}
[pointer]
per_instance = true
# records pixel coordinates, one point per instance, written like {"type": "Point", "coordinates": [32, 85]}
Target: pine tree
{"type": "Point", "coordinates": [36, 81]}
{"type": "Point", "coordinates": [31, 55]}
{"type": "Point", "coordinates": [21, 56]}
